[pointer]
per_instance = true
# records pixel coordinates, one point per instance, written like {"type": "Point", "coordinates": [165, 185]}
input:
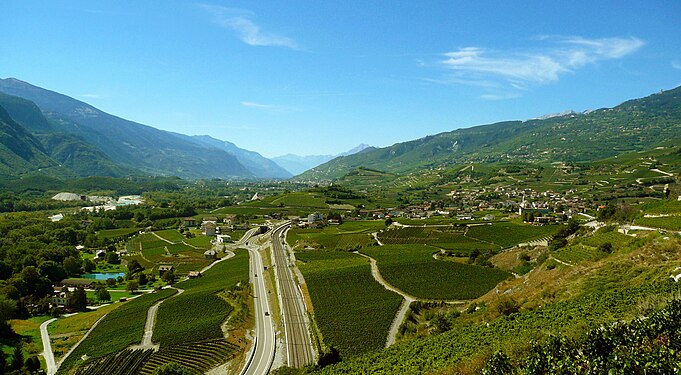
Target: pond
{"type": "Point", "coordinates": [103, 275]}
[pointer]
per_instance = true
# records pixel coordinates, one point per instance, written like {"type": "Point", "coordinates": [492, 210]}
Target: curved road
{"type": "Point", "coordinates": [47, 347]}
{"type": "Point", "coordinates": [264, 343]}
{"type": "Point", "coordinates": [299, 351]}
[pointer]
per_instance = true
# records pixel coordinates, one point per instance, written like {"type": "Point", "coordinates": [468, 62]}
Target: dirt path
{"type": "Point", "coordinates": [149, 324]}
{"type": "Point", "coordinates": [404, 307]}
{"type": "Point", "coordinates": [375, 234]}
{"type": "Point", "coordinates": [162, 239]}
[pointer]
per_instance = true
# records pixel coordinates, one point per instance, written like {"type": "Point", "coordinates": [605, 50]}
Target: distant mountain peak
{"type": "Point", "coordinates": [297, 164]}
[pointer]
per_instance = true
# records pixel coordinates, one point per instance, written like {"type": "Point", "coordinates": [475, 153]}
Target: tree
{"type": "Point", "coordinates": [79, 299]}
{"type": "Point", "coordinates": [112, 258]}
{"type": "Point", "coordinates": [72, 266]}
{"type": "Point", "coordinates": [7, 309]}
{"type": "Point", "coordinates": [142, 278]}
{"type": "Point", "coordinates": [172, 368]}
{"type": "Point", "coordinates": [88, 265]}
{"type": "Point", "coordinates": [169, 277]}
{"type": "Point", "coordinates": [32, 364]}
{"type": "Point", "coordinates": [52, 270]}
{"type": "Point", "coordinates": [134, 267]}
{"type": "Point", "coordinates": [17, 358]}
{"type": "Point", "coordinates": [388, 221]}
{"type": "Point", "coordinates": [102, 294]}
{"type": "Point", "coordinates": [132, 286]}
{"type": "Point", "coordinates": [111, 282]}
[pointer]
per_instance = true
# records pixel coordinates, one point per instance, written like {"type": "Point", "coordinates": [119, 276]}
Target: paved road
{"type": "Point", "coordinates": [265, 343]}
{"type": "Point", "coordinates": [294, 317]}
{"type": "Point", "coordinates": [47, 347]}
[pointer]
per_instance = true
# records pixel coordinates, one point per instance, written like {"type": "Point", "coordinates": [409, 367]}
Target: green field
{"type": "Point", "coordinates": [300, 199]}
{"type": "Point", "coordinates": [450, 238]}
{"type": "Point", "coordinates": [351, 234]}
{"type": "Point", "coordinates": [587, 248]}
{"type": "Point", "coordinates": [149, 250]}
{"type": "Point", "coordinates": [665, 222]}
{"type": "Point", "coordinates": [171, 235]}
{"type": "Point", "coordinates": [117, 233]}
{"type": "Point", "coordinates": [352, 310]}
{"type": "Point", "coordinates": [118, 330]}
{"type": "Point", "coordinates": [666, 206]}
{"type": "Point", "coordinates": [510, 234]}
{"type": "Point", "coordinates": [412, 269]}
{"type": "Point", "coordinates": [177, 324]}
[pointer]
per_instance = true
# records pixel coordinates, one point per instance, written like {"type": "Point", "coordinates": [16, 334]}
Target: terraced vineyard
{"type": "Point", "coordinates": [199, 356]}
{"type": "Point", "coordinates": [590, 247]}
{"type": "Point", "coordinates": [177, 324]}
{"type": "Point", "coordinates": [579, 253]}
{"type": "Point", "coordinates": [413, 269]}
{"type": "Point", "coordinates": [126, 362]}
{"type": "Point", "coordinates": [510, 234]}
{"type": "Point", "coordinates": [352, 310]}
{"type": "Point", "coordinates": [118, 330]}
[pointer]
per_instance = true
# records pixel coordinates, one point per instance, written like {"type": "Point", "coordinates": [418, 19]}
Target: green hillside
{"type": "Point", "coordinates": [72, 152]}
{"type": "Point", "coordinates": [632, 126]}
{"type": "Point", "coordinates": [20, 152]}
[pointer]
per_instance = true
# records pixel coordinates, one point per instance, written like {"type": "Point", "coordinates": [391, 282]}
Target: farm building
{"type": "Point", "coordinates": [209, 228]}
{"type": "Point", "coordinates": [210, 254]}
{"type": "Point", "coordinates": [317, 216]}
{"type": "Point", "coordinates": [194, 274]}
{"type": "Point", "coordinates": [74, 283]}
{"type": "Point", "coordinates": [224, 238]}
{"type": "Point", "coordinates": [189, 222]}
{"type": "Point", "coordinates": [163, 268]}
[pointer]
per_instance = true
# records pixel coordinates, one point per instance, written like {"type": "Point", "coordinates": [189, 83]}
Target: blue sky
{"type": "Point", "coordinates": [320, 77]}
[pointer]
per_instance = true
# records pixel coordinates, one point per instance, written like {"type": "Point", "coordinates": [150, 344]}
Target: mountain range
{"type": "Point", "coordinates": [82, 141]}
{"type": "Point", "coordinates": [297, 164]}
{"type": "Point", "coordinates": [570, 137]}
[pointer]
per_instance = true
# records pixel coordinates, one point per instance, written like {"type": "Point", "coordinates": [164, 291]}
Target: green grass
{"type": "Point", "coordinates": [352, 310]}
{"type": "Point", "coordinates": [348, 235]}
{"type": "Point", "coordinates": [200, 241]}
{"type": "Point", "coordinates": [412, 269]}
{"type": "Point", "coordinates": [198, 313]}
{"type": "Point", "coordinates": [665, 222]}
{"type": "Point", "coordinates": [171, 235]}
{"type": "Point", "coordinates": [510, 234]}
{"type": "Point", "coordinates": [666, 206]}
{"type": "Point", "coordinates": [121, 328]}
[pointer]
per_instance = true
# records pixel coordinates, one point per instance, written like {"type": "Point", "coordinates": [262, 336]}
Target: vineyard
{"type": "Point", "coordinates": [118, 330]}
{"type": "Point", "coordinates": [445, 238]}
{"type": "Point", "coordinates": [590, 248]}
{"type": "Point", "coordinates": [517, 331]}
{"type": "Point", "coordinates": [196, 356]}
{"type": "Point", "coordinates": [171, 235]}
{"type": "Point", "coordinates": [150, 250]}
{"type": "Point", "coordinates": [349, 235]}
{"type": "Point", "coordinates": [413, 269]}
{"type": "Point", "coordinates": [177, 324]}
{"type": "Point", "coordinates": [664, 222]}
{"type": "Point", "coordinates": [510, 234]}
{"type": "Point", "coordinates": [352, 310]}
{"type": "Point", "coordinates": [301, 199]}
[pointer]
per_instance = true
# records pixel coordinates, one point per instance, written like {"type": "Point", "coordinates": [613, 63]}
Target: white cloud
{"type": "Point", "coordinates": [676, 65]}
{"type": "Point", "coordinates": [269, 107]}
{"type": "Point", "coordinates": [471, 65]}
{"type": "Point", "coordinates": [249, 32]}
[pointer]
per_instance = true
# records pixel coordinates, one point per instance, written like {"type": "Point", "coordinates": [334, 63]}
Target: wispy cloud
{"type": "Point", "coordinates": [91, 96]}
{"type": "Point", "coordinates": [241, 22]}
{"type": "Point", "coordinates": [676, 65]}
{"type": "Point", "coordinates": [476, 66]}
{"type": "Point", "coordinates": [269, 107]}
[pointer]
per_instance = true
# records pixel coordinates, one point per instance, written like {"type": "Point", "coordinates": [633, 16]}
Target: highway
{"type": "Point", "coordinates": [294, 316]}
{"type": "Point", "coordinates": [260, 361]}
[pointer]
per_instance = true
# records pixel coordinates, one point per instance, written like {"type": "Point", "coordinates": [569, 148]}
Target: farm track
{"type": "Point", "coordinates": [404, 307]}
{"type": "Point", "coordinates": [79, 342]}
{"type": "Point", "coordinates": [149, 324]}
{"type": "Point", "coordinates": [47, 347]}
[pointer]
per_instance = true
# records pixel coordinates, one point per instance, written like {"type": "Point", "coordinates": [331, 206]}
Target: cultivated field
{"type": "Point", "coordinates": [352, 310]}
{"type": "Point", "coordinates": [510, 234]}
{"type": "Point", "coordinates": [413, 269]}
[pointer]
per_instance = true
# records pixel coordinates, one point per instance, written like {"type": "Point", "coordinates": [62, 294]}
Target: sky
{"type": "Point", "coordinates": [321, 77]}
